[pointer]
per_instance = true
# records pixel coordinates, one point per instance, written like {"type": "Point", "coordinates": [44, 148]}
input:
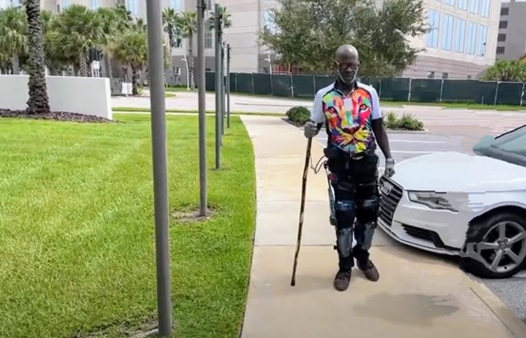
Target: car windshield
{"type": "Point", "coordinates": [512, 142]}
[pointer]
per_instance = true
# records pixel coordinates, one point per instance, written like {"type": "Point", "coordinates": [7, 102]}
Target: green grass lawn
{"type": "Point", "coordinates": [76, 229]}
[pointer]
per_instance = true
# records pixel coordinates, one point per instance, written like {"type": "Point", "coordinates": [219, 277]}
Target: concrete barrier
{"type": "Point", "coordinates": [83, 95]}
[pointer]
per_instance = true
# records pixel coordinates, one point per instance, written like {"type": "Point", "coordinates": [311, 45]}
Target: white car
{"type": "Point", "coordinates": [473, 206]}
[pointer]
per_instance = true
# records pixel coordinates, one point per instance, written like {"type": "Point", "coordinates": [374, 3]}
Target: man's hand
{"type": "Point", "coordinates": [310, 129]}
{"type": "Point", "coordinates": [389, 167]}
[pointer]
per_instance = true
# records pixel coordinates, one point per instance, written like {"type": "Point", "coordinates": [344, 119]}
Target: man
{"type": "Point", "coordinates": [351, 112]}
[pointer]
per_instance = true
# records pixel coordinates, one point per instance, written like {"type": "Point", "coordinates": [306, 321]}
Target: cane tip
{"type": "Point", "coordinates": [293, 283]}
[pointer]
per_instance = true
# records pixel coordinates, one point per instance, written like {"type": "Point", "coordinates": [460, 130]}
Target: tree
{"type": "Point", "coordinates": [13, 35]}
{"type": "Point", "coordinates": [38, 101]}
{"type": "Point", "coordinates": [306, 33]}
{"type": "Point", "coordinates": [187, 25]}
{"type": "Point", "coordinates": [226, 20]}
{"type": "Point", "coordinates": [76, 30]}
{"type": "Point", "coordinates": [504, 70]}
{"type": "Point", "coordinates": [170, 23]}
{"type": "Point", "coordinates": [131, 49]}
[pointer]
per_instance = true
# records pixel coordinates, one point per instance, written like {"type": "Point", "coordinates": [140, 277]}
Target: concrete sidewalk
{"type": "Point", "coordinates": [417, 295]}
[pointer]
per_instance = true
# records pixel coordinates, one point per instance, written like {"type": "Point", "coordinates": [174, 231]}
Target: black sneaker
{"type": "Point", "coordinates": [342, 280]}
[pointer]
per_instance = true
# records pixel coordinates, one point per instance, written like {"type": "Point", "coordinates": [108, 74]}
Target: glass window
{"type": "Point", "coordinates": [450, 2]}
{"type": "Point", "coordinates": [64, 3]}
{"type": "Point", "coordinates": [460, 34]}
{"type": "Point", "coordinates": [446, 37]}
{"type": "Point", "coordinates": [512, 142]}
{"type": "Point", "coordinates": [433, 20]}
{"type": "Point", "coordinates": [471, 37]}
{"type": "Point", "coordinates": [503, 24]}
{"type": "Point", "coordinates": [501, 50]}
{"type": "Point", "coordinates": [484, 8]}
{"type": "Point", "coordinates": [501, 37]}
{"type": "Point", "coordinates": [95, 4]}
{"type": "Point", "coordinates": [462, 4]}
{"type": "Point", "coordinates": [481, 40]}
{"type": "Point", "coordinates": [209, 37]}
{"type": "Point", "coordinates": [175, 4]}
{"type": "Point", "coordinates": [505, 11]}
{"type": "Point", "coordinates": [474, 6]}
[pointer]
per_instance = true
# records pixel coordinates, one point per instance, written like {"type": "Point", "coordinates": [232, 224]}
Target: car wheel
{"type": "Point", "coordinates": [499, 246]}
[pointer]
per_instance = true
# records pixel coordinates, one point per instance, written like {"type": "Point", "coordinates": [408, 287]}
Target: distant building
{"type": "Point", "coordinates": [511, 41]}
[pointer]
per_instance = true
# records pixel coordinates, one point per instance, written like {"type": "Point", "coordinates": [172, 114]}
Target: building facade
{"type": "Point", "coordinates": [511, 40]}
{"type": "Point", "coordinates": [462, 40]}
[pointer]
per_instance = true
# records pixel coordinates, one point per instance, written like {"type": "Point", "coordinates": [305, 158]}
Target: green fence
{"type": "Point", "coordinates": [389, 89]}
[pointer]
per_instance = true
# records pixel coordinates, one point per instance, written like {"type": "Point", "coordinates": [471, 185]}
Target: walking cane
{"type": "Point", "coordinates": [302, 209]}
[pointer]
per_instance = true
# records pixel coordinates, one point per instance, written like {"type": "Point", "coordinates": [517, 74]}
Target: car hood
{"type": "Point", "coordinates": [456, 172]}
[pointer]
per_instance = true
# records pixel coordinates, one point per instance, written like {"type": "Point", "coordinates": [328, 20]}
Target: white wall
{"type": "Point", "coordinates": [83, 95]}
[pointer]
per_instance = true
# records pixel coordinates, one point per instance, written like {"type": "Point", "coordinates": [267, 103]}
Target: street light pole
{"type": "Point", "coordinates": [160, 181]}
{"type": "Point", "coordinates": [201, 7]}
{"type": "Point", "coordinates": [228, 84]}
{"type": "Point", "coordinates": [223, 91]}
{"type": "Point", "coordinates": [218, 114]}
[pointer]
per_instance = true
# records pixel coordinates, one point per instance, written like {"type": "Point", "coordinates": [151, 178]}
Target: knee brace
{"type": "Point", "coordinates": [365, 238]}
{"type": "Point", "coordinates": [368, 209]}
{"type": "Point", "coordinates": [344, 212]}
{"type": "Point", "coordinates": [344, 242]}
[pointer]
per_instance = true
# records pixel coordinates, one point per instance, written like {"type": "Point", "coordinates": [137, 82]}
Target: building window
{"type": "Point", "coordinates": [132, 6]}
{"type": "Point", "coordinates": [462, 4]}
{"type": "Point", "coordinates": [459, 36]}
{"type": "Point", "coordinates": [481, 40]}
{"type": "Point", "coordinates": [505, 11]}
{"type": "Point", "coordinates": [431, 75]}
{"type": "Point", "coordinates": [471, 37]}
{"type": "Point", "coordinates": [450, 2]}
{"type": "Point", "coordinates": [474, 6]}
{"type": "Point", "coordinates": [175, 5]}
{"type": "Point", "coordinates": [469, 77]}
{"type": "Point", "coordinates": [64, 3]}
{"type": "Point", "coordinates": [209, 37]}
{"type": "Point", "coordinates": [503, 24]}
{"type": "Point", "coordinates": [500, 50]}
{"type": "Point", "coordinates": [446, 36]}
{"type": "Point", "coordinates": [445, 75]}
{"type": "Point", "coordinates": [433, 21]}
{"type": "Point", "coordinates": [484, 8]}
{"type": "Point", "coordinates": [268, 22]}
{"type": "Point", "coordinates": [501, 37]}
{"type": "Point", "coordinates": [95, 4]}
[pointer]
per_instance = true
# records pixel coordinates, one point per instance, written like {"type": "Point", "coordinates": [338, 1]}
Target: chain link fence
{"type": "Point", "coordinates": [389, 89]}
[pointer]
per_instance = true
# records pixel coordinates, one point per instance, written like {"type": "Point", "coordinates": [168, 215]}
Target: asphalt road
{"type": "Point", "coordinates": [403, 146]}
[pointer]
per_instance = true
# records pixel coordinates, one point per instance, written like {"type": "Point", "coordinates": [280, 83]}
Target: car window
{"type": "Point", "coordinates": [513, 142]}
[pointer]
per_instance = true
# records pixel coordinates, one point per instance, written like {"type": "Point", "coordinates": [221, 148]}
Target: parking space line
{"type": "Point", "coordinates": [418, 151]}
{"type": "Point", "coordinates": [413, 141]}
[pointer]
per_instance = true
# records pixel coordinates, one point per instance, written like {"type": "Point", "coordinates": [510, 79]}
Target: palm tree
{"type": "Point", "coordinates": [13, 35]}
{"type": "Point", "coordinates": [226, 21]}
{"type": "Point", "coordinates": [38, 101]}
{"type": "Point", "coordinates": [110, 28]}
{"type": "Point", "coordinates": [170, 17]}
{"type": "Point", "coordinates": [187, 25]}
{"type": "Point", "coordinates": [131, 49]}
{"type": "Point", "coordinates": [504, 70]}
{"type": "Point", "coordinates": [76, 30]}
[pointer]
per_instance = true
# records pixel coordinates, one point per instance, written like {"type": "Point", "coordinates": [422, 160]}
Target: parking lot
{"type": "Point", "coordinates": [408, 145]}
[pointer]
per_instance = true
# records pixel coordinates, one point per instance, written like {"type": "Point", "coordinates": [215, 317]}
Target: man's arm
{"type": "Point", "coordinates": [378, 126]}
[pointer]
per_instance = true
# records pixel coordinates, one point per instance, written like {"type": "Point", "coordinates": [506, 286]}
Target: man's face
{"type": "Point", "coordinates": [346, 68]}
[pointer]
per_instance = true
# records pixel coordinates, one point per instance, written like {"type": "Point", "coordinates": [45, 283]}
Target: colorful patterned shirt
{"type": "Point", "coordinates": [348, 118]}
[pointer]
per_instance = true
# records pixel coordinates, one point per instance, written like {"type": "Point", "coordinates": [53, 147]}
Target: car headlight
{"type": "Point", "coordinates": [432, 200]}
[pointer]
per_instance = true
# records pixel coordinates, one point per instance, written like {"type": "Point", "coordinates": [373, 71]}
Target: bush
{"type": "Point", "coordinates": [406, 122]}
{"type": "Point", "coordinates": [298, 115]}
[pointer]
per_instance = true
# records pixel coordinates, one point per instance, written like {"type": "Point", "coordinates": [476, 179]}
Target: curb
{"type": "Point", "coordinates": [397, 131]}
{"type": "Point", "coordinates": [516, 327]}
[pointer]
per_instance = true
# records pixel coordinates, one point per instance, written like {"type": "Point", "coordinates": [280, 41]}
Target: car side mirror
{"type": "Point", "coordinates": [484, 144]}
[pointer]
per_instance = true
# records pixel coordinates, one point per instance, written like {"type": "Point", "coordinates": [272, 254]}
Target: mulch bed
{"type": "Point", "coordinates": [54, 116]}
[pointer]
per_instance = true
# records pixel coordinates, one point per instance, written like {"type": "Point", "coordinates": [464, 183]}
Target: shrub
{"type": "Point", "coordinates": [298, 115]}
{"type": "Point", "coordinates": [406, 122]}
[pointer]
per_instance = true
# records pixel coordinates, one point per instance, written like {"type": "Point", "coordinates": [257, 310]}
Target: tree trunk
{"type": "Point", "coordinates": [135, 89]}
{"type": "Point", "coordinates": [83, 65]}
{"type": "Point", "coordinates": [38, 98]}
{"type": "Point", "coordinates": [15, 64]}
{"type": "Point", "coordinates": [191, 60]}
{"type": "Point", "coordinates": [109, 71]}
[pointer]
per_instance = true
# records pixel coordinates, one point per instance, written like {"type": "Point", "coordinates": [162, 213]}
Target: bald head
{"type": "Point", "coordinates": [346, 64]}
{"type": "Point", "coordinates": [346, 52]}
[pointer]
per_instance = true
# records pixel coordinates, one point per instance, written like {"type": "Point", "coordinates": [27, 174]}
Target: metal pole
{"type": "Point", "coordinates": [201, 7]}
{"type": "Point", "coordinates": [158, 129]}
{"type": "Point", "coordinates": [223, 91]}
{"type": "Point", "coordinates": [228, 85]}
{"type": "Point", "coordinates": [218, 85]}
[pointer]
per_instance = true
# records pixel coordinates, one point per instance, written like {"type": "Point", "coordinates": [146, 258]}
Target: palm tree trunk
{"type": "Point", "coordinates": [38, 101]}
{"type": "Point", "coordinates": [15, 64]}
{"type": "Point", "coordinates": [135, 89]}
{"type": "Point", "coordinates": [191, 60]}
{"type": "Point", "coordinates": [109, 71]}
{"type": "Point", "coordinates": [83, 65]}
